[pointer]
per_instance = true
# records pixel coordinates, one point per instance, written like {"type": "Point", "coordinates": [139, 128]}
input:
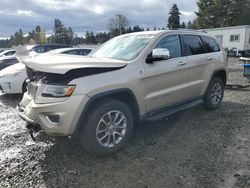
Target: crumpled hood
{"type": "Point", "coordinates": [61, 63]}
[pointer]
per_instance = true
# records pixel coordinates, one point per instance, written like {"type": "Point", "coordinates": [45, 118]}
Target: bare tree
{"type": "Point", "coordinates": [117, 25]}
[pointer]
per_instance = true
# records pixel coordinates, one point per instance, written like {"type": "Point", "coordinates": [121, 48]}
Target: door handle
{"type": "Point", "coordinates": [181, 63]}
{"type": "Point", "coordinates": [209, 58]}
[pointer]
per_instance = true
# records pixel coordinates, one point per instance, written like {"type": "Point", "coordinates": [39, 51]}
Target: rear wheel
{"type": "Point", "coordinates": [108, 128]}
{"type": "Point", "coordinates": [214, 94]}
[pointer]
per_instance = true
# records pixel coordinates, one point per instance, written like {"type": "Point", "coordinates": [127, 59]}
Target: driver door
{"type": "Point", "coordinates": [166, 81]}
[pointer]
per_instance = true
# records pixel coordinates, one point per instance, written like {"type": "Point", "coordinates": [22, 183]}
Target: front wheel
{"type": "Point", "coordinates": [108, 128]}
{"type": "Point", "coordinates": [214, 94]}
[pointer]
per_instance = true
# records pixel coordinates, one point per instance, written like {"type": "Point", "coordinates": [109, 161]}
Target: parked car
{"type": "Point", "coordinates": [7, 53]}
{"type": "Point", "coordinates": [7, 61]}
{"type": "Point", "coordinates": [132, 77]}
{"type": "Point", "coordinates": [12, 79]}
{"type": "Point", "coordinates": [72, 51]}
{"type": "Point", "coordinates": [38, 49]}
{"type": "Point", "coordinates": [16, 83]}
{"type": "Point", "coordinates": [245, 53]}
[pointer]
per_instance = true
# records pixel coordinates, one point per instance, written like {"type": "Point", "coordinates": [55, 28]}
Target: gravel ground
{"type": "Point", "coordinates": [193, 148]}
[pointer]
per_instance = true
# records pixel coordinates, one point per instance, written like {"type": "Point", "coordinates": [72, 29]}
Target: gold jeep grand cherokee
{"type": "Point", "coordinates": [132, 77]}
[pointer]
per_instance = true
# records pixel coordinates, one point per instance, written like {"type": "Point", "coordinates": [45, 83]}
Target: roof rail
{"type": "Point", "coordinates": [184, 29]}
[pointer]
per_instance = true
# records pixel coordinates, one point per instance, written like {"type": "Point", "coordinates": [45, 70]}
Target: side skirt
{"type": "Point", "coordinates": [162, 113]}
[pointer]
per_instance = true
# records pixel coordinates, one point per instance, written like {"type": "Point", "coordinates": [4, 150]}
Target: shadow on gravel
{"type": "Point", "coordinates": [67, 164]}
{"type": "Point", "coordinates": [10, 100]}
{"type": "Point", "coordinates": [188, 148]}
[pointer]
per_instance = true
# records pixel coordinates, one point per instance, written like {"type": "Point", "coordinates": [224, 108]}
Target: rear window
{"type": "Point", "coordinates": [210, 44]}
{"type": "Point", "coordinates": [193, 45]}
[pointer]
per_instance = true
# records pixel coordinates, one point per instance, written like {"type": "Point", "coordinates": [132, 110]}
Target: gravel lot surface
{"type": "Point", "coordinates": [193, 148]}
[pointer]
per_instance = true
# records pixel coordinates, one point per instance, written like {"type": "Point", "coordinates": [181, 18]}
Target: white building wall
{"type": "Point", "coordinates": [225, 33]}
{"type": "Point", "coordinates": [247, 41]}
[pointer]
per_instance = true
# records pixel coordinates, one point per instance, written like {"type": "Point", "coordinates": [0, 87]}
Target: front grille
{"type": "Point", "coordinates": [46, 78]}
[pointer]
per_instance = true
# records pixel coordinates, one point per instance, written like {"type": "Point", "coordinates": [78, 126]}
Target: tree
{"type": "Point", "coordinates": [222, 13]}
{"type": "Point", "coordinates": [174, 18]}
{"type": "Point", "coordinates": [193, 25]}
{"type": "Point", "coordinates": [206, 13]}
{"type": "Point", "coordinates": [17, 38]}
{"type": "Point", "coordinates": [245, 14]}
{"type": "Point", "coordinates": [117, 25]}
{"type": "Point", "coordinates": [90, 38]}
{"type": "Point", "coordinates": [183, 25]}
{"type": "Point", "coordinates": [102, 37]}
{"type": "Point", "coordinates": [62, 35]}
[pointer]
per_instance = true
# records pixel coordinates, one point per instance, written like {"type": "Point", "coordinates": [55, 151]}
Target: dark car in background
{"type": "Point", "coordinates": [245, 53]}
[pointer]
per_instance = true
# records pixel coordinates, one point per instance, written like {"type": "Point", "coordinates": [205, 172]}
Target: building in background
{"type": "Point", "coordinates": [237, 37]}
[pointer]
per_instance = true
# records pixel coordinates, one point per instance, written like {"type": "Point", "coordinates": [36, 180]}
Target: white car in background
{"type": "Point", "coordinates": [13, 78]}
{"type": "Point", "coordinates": [7, 53]}
{"type": "Point", "coordinates": [72, 51]}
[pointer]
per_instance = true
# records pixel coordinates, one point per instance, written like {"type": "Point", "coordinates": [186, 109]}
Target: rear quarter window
{"type": "Point", "coordinates": [193, 45]}
{"type": "Point", "coordinates": [210, 44]}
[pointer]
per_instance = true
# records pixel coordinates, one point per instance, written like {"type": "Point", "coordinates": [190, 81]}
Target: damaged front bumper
{"type": "Point", "coordinates": [55, 119]}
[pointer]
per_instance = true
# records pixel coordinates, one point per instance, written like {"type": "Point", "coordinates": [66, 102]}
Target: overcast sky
{"type": "Point", "coordinates": [83, 15]}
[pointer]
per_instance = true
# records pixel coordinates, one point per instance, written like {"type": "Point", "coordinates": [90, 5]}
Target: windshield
{"type": "Point", "coordinates": [125, 47]}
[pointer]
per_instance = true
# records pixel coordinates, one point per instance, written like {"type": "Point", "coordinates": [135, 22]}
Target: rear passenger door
{"type": "Point", "coordinates": [201, 60]}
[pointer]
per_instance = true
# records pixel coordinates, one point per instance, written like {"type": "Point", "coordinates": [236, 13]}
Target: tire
{"type": "Point", "coordinates": [98, 120]}
{"type": "Point", "coordinates": [214, 94]}
{"type": "Point", "coordinates": [24, 87]}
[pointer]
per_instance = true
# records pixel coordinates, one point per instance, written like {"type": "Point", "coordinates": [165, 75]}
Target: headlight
{"type": "Point", "coordinates": [58, 91]}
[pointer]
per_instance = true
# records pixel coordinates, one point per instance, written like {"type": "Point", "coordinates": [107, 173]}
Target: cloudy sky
{"type": "Point", "coordinates": [83, 15]}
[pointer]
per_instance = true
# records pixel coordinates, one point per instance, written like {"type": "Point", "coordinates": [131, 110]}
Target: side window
{"type": "Point", "coordinates": [172, 43]}
{"type": "Point", "coordinates": [38, 49]}
{"type": "Point", "coordinates": [10, 53]}
{"type": "Point", "coordinates": [210, 44]}
{"type": "Point", "coordinates": [72, 52]}
{"type": "Point", "coordinates": [193, 45]}
{"type": "Point", "coordinates": [48, 48]}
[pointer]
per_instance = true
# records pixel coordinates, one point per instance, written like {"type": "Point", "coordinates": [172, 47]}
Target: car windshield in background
{"type": "Point", "coordinates": [124, 48]}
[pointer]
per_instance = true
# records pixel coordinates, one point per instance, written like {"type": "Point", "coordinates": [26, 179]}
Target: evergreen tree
{"type": "Point", "coordinates": [62, 35]}
{"type": "Point", "coordinates": [183, 25]}
{"type": "Point", "coordinates": [174, 18]}
{"type": "Point", "coordinates": [90, 38]}
{"type": "Point", "coordinates": [222, 13]}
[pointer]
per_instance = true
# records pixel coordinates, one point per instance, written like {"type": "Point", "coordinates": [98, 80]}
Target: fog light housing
{"type": "Point", "coordinates": [53, 118]}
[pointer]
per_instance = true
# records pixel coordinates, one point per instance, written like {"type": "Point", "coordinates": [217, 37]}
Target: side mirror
{"type": "Point", "coordinates": [161, 53]}
{"type": "Point", "coordinates": [157, 55]}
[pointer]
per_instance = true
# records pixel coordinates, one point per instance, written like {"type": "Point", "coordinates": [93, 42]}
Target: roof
{"type": "Point", "coordinates": [227, 28]}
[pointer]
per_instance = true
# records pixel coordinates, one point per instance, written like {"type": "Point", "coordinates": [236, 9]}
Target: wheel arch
{"type": "Point", "coordinates": [125, 95]}
{"type": "Point", "coordinates": [220, 73]}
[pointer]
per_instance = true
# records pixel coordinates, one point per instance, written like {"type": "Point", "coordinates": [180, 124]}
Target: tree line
{"type": "Point", "coordinates": [210, 14]}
